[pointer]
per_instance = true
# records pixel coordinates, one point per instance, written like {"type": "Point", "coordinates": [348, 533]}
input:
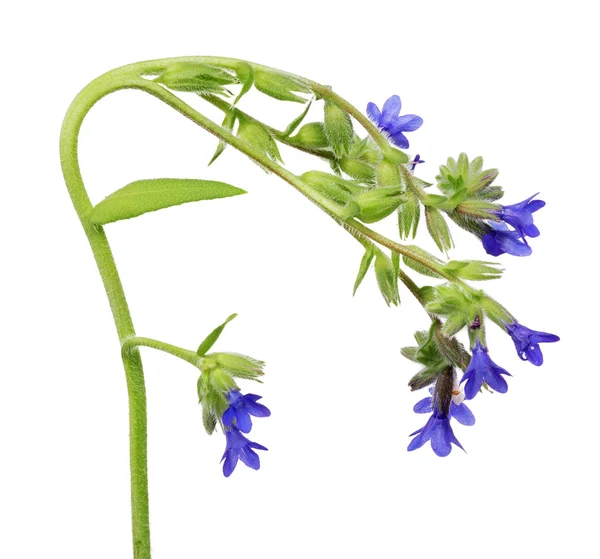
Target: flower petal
{"type": "Point", "coordinates": [400, 140]}
{"type": "Point", "coordinates": [257, 446]}
{"type": "Point", "coordinates": [231, 460]}
{"type": "Point", "coordinates": [490, 245]}
{"type": "Point", "coordinates": [495, 381]}
{"type": "Point", "coordinates": [257, 410]}
{"type": "Point", "coordinates": [534, 355]}
{"type": "Point", "coordinates": [405, 123]}
{"type": "Point", "coordinates": [374, 113]}
{"type": "Point", "coordinates": [423, 406]}
{"type": "Point", "coordinates": [441, 437]}
{"type": "Point", "coordinates": [462, 414]}
{"type": "Point", "coordinates": [228, 416]}
{"type": "Point", "coordinates": [390, 111]}
{"type": "Point", "coordinates": [249, 457]}
{"type": "Point", "coordinates": [244, 422]}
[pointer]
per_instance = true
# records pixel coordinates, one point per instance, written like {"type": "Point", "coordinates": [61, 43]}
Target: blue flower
{"type": "Point", "coordinates": [480, 369]}
{"type": "Point", "coordinates": [437, 429]}
{"type": "Point", "coordinates": [415, 162]}
{"type": "Point", "coordinates": [241, 407]}
{"type": "Point", "coordinates": [504, 240]}
{"type": "Point", "coordinates": [520, 216]}
{"type": "Point", "coordinates": [527, 342]}
{"type": "Point", "coordinates": [239, 447]}
{"type": "Point", "coordinates": [389, 120]}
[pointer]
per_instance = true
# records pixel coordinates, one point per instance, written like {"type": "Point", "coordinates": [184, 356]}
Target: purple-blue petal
{"type": "Point", "coordinates": [423, 406]}
{"type": "Point", "coordinates": [243, 420]}
{"type": "Point", "coordinates": [462, 414]}
{"type": "Point", "coordinates": [400, 140]}
{"type": "Point", "coordinates": [440, 438]}
{"type": "Point", "coordinates": [257, 410]}
{"type": "Point", "coordinates": [405, 123]}
{"type": "Point", "coordinates": [374, 113]}
{"type": "Point", "coordinates": [228, 416]}
{"type": "Point", "coordinates": [231, 459]}
{"type": "Point", "coordinates": [534, 355]}
{"type": "Point", "coordinates": [495, 381]}
{"type": "Point", "coordinates": [390, 111]}
{"type": "Point", "coordinates": [249, 457]}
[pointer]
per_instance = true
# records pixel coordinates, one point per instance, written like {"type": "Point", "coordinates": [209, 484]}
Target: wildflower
{"type": "Point", "coordinates": [389, 120]}
{"type": "Point", "coordinates": [239, 447]}
{"type": "Point", "coordinates": [415, 162]}
{"type": "Point", "coordinates": [438, 429]}
{"type": "Point", "coordinates": [480, 369]}
{"type": "Point", "coordinates": [520, 216]}
{"type": "Point", "coordinates": [241, 407]}
{"type": "Point", "coordinates": [527, 342]}
{"type": "Point", "coordinates": [502, 240]}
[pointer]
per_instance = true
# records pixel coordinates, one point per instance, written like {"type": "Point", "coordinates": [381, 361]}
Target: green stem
{"type": "Point", "coordinates": [113, 81]}
{"type": "Point", "coordinates": [130, 344]}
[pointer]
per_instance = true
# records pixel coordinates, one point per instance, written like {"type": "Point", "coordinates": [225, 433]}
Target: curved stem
{"type": "Point", "coordinates": [134, 342]}
{"type": "Point", "coordinates": [113, 81]}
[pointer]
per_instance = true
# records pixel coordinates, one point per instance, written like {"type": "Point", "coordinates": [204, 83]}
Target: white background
{"type": "Point", "coordinates": [513, 82]}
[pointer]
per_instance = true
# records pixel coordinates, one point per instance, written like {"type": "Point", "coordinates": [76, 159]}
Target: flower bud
{"type": "Point", "coordinates": [338, 129]}
{"type": "Point", "coordinates": [387, 279]}
{"type": "Point", "coordinates": [378, 203]}
{"type": "Point", "coordinates": [357, 169]}
{"type": "Point", "coordinates": [240, 366]}
{"type": "Point", "coordinates": [195, 77]}
{"type": "Point", "coordinates": [388, 174]}
{"type": "Point", "coordinates": [335, 188]}
{"type": "Point", "coordinates": [311, 135]}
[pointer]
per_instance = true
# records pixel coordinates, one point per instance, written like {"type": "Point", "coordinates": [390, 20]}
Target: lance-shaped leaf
{"type": "Point", "coordinates": [228, 124]}
{"type": "Point", "coordinates": [149, 195]}
{"type": "Point", "coordinates": [279, 85]}
{"type": "Point", "coordinates": [196, 77]}
{"type": "Point", "coordinates": [387, 279]}
{"type": "Point", "coordinates": [245, 74]}
{"type": "Point", "coordinates": [210, 340]}
{"type": "Point", "coordinates": [364, 267]}
{"type": "Point", "coordinates": [438, 229]}
{"type": "Point", "coordinates": [421, 268]}
{"type": "Point", "coordinates": [338, 129]}
{"type": "Point", "coordinates": [473, 270]}
{"type": "Point", "coordinates": [296, 122]}
{"type": "Point", "coordinates": [409, 214]}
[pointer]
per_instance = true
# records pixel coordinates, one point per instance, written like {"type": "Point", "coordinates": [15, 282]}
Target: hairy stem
{"type": "Point", "coordinates": [130, 344]}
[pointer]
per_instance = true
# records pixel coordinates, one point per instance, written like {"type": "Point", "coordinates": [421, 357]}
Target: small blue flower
{"type": "Point", "coordinates": [415, 162]}
{"type": "Point", "coordinates": [241, 407]}
{"type": "Point", "coordinates": [389, 120]}
{"type": "Point", "coordinates": [239, 447]}
{"type": "Point", "coordinates": [437, 429]}
{"type": "Point", "coordinates": [520, 216]}
{"type": "Point", "coordinates": [504, 240]}
{"type": "Point", "coordinates": [527, 342]}
{"type": "Point", "coordinates": [480, 369]}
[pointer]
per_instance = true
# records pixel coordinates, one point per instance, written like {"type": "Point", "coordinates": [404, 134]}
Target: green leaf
{"type": "Point", "coordinates": [387, 279]}
{"type": "Point", "coordinates": [149, 195]}
{"type": "Point", "coordinates": [296, 122]}
{"type": "Point", "coordinates": [245, 74]}
{"type": "Point", "coordinates": [278, 85]}
{"type": "Point", "coordinates": [364, 267]}
{"type": "Point", "coordinates": [195, 77]}
{"type": "Point", "coordinates": [438, 229]}
{"type": "Point", "coordinates": [338, 129]}
{"type": "Point", "coordinates": [228, 124]}
{"type": "Point", "coordinates": [210, 340]}
{"type": "Point", "coordinates": [408, 216]}
{"type": "Point", "coordinates": [417, 266]}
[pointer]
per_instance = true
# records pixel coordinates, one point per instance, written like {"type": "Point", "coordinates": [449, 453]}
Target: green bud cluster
{"type": "Point", "coordinates": [438, 354]}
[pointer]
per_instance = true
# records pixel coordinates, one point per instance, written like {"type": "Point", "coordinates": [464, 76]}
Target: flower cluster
{"type": "Point", "coordinates": [236, 420]}
{"type": "Point", "coordinates": [502, 239]}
